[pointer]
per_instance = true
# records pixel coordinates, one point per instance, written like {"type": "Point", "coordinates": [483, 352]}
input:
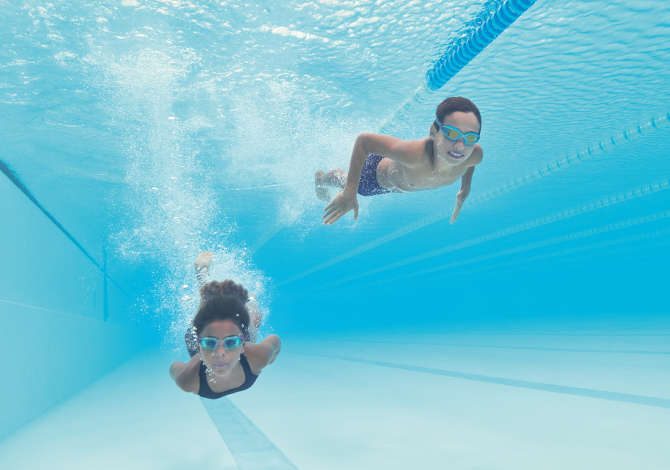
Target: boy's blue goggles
{"type": "Point", "coordinates": [454, 134]}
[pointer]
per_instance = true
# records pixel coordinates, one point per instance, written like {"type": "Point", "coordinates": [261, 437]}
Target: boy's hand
{"type": "Point", "coordinates": [340, 205]}
{"type": "Point", "coordinates": [460, 199]}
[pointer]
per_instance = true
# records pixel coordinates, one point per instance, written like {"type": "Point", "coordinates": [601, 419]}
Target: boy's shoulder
{"type": "Point", "coordinates": [416, 146]}
{"type": "Point", "coordinates": [406, 152]}
{"type": "Point", "coordinates": [477, 155]}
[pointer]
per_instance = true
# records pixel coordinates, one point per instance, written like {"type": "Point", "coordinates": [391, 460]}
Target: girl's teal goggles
{"type": "Point", "coordinates": [229, 343]}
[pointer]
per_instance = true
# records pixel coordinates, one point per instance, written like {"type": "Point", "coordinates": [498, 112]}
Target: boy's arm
{"type": "Point", "coordinates": [405, 152]}
{"type": "Point", "coordinates": [408, 153]}
{"type": "Point", "coordinates": [466, 181]}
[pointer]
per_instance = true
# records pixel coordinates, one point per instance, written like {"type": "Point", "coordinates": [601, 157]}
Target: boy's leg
{"type": "Point", "coordinates": [324, 181]}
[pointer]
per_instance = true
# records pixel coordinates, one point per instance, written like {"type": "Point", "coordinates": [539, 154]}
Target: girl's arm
{"type": "Point", "coordinates": [185, 375]}
{"type": "Point", "coordinates": [263, 353]}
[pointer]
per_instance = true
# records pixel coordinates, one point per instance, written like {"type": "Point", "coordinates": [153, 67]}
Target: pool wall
{"type": "Point", "coordinates": [51, 295]}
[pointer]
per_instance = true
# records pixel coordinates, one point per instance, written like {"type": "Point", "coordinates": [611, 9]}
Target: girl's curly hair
{"type": "Point", "coordinates": [224, 300]}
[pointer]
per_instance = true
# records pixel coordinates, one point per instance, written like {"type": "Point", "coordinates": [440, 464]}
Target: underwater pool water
{"type": "Point", "coordinates": [532, 333]}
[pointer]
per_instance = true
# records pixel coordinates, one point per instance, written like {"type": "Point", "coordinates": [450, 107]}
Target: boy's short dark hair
{"type": "Point", "coordinates": [454, 104]}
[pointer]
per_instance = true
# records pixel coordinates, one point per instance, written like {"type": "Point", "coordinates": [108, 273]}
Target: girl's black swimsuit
{"type": "Point", "coordinates": [206, 392]}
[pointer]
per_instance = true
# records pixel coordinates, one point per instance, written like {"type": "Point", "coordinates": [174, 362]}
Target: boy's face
{"type": "Point", "coordinates": [455, 153]}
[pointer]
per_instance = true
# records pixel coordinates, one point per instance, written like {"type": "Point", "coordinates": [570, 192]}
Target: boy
{"type": "Point", "coordinates": [382, 164]}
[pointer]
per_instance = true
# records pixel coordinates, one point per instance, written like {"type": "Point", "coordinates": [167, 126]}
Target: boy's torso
{"type": "Point", "coordinates": [425, 175]}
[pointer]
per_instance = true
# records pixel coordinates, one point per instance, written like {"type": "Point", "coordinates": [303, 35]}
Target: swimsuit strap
{"type": "Point", "coordinates": [206, 391]}
{"type": "Point", "coordinates": [248, 374]}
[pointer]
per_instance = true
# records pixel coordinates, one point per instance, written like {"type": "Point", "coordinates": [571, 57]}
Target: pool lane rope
{"type": "Point", "coordinates": [591, 152]}
{"type": "Point", "coordinates": [460, 54]}
{"type": "Point", "coordinates": [604, 202]}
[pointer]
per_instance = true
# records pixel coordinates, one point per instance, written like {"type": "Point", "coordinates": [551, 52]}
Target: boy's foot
{"type": "Point", "coordinates": [321, 189]}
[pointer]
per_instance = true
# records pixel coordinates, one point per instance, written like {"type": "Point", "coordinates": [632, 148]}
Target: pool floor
{"type": "Point", "coordinates": [485, 401]}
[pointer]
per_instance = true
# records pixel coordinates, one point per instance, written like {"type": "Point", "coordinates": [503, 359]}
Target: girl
{"type": "Point", "coordinates": [224, 360]}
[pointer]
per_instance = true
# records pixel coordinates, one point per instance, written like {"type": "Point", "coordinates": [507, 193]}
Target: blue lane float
{"type": "Point", "coordinates": [604, 147]}
{"type": "Point", "coordinates": [459, 55]}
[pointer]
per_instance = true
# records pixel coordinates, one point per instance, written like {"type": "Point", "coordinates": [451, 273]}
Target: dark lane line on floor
{"type": "Point", "coordinates": [532, 348]}
{"type": "Point", "coordinates": [646, 400]}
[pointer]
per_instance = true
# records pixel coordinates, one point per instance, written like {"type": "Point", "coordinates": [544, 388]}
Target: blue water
{"type": "Point", "coordinates": [533, 333]}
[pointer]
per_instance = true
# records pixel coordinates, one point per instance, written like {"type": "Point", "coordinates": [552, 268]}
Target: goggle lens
{"type": "Point", "coordinates": [452, 134]}
{"type": "Point", "coordinates": [471, 139]}
{"type": "Point", "coordinates": [232, 342]}
{"type": "Point", "coordinates": [208, 343]}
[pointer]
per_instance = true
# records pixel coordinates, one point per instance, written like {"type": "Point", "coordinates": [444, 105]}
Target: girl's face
{"type": "Point", "coordinates": [226, 353]}
{"type": "Point", "coordinates": [455, 153]}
